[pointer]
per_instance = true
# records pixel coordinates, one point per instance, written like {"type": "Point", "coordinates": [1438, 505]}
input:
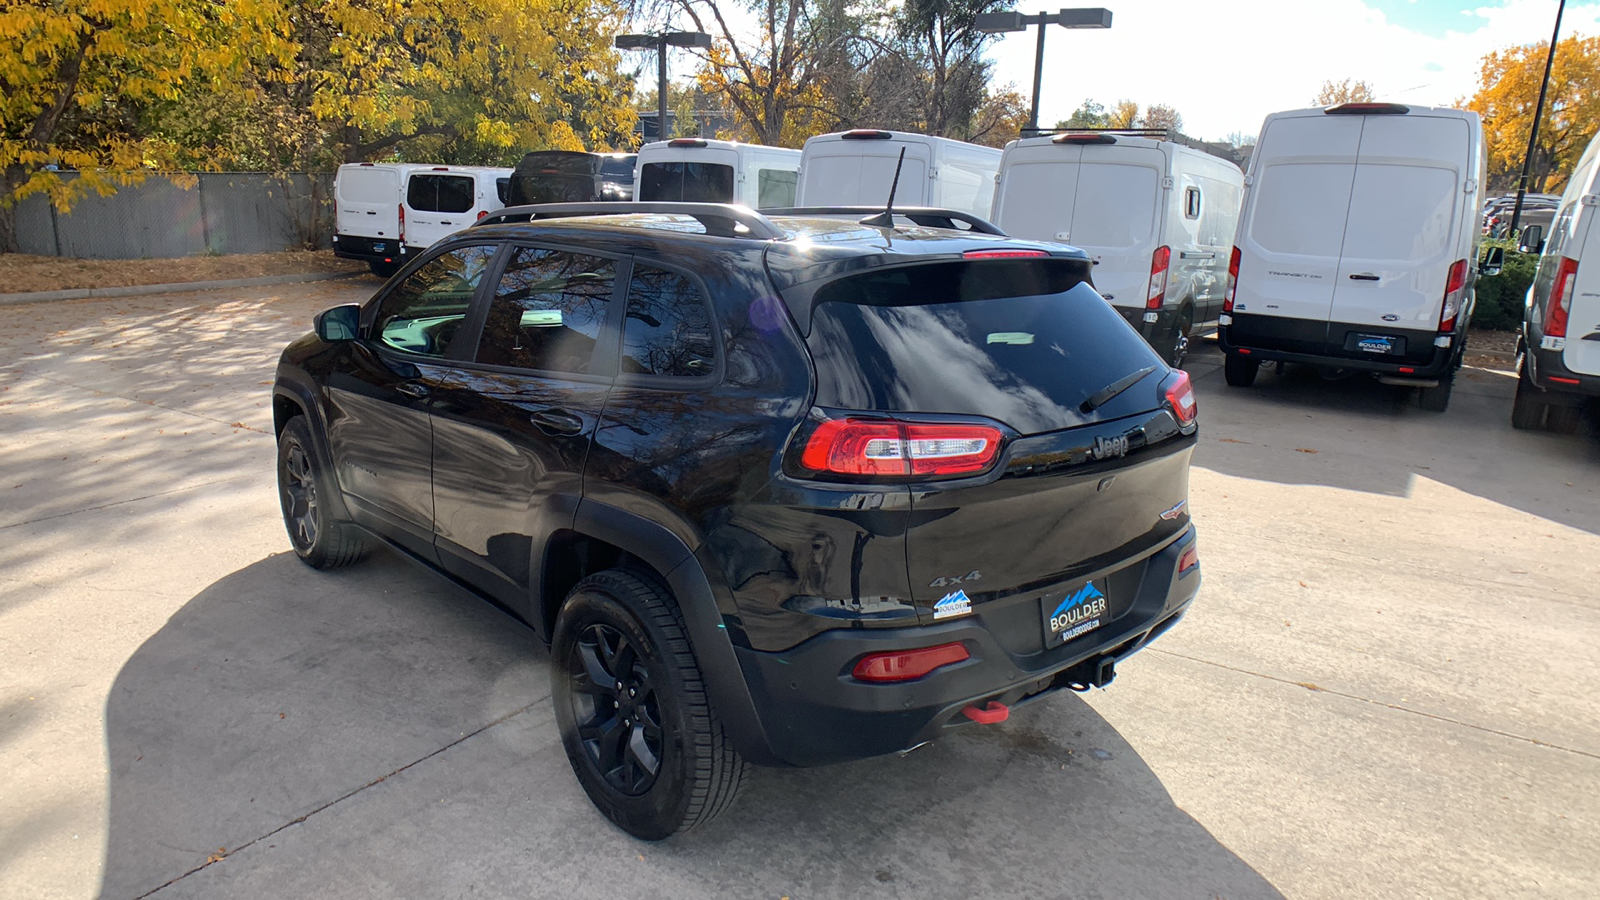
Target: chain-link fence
{"type": "Point", "coordinates": [224, 212]}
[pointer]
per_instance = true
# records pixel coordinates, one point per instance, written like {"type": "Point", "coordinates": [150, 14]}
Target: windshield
{"type": "Point", "coordinates": [1022, 342]}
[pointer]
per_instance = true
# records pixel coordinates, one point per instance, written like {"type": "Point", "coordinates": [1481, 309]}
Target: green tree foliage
{"type": "Point", "coordinates": [1498, 299]}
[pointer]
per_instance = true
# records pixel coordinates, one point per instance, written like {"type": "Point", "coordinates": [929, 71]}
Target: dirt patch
{"type": "Point", "coordinates": [1492, 349]}
{"type": "Point", "coordinates": [20, 273]}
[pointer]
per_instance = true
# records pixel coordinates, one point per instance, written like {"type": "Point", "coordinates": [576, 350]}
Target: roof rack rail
{"type": "Point", "coordinates": [719, 219]}
{"type": "Point", "coordinates": [1160, 134]}
{"type": "Point", "coordinates": [925, 216]}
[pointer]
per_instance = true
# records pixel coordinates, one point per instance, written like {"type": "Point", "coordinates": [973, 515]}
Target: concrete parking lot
{"type": "Point", "coordinates": [1386, 688]}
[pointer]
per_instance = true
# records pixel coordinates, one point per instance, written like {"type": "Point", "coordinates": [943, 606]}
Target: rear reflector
{"type": "Point", "coordinates": [1565, 380]}
{"type": "Point", "coordinates": [1233, 280]}
{"type": "Point", "coordinates": [1407, 370]}
{"type": "Point", "coordinates": [1158, 277]}
{"type": "Point", "coordinates": [1179, 393]}
{"type": "Point", "coordinates": [482, 213]}
{"type": "Point", "coordinates": [1004, 254]}
{"type": "Point", "coordinates": [1455, 291]}
{"type": "Point", "coordinates": [1189, 559]}
{"type": "Point", "coordinates": [887, 447]}
{"type": "Point", "coordinates": [1367, 109]}
{"type": "Point", "coordinates": [904, 665]}
{"type": "Point", "coordinates": [1560, 303]}
{"type": "Point", "coordinates": [686, 142]}
{"type": "Point", "coordinates": [1083, 139]}
{"type": "Point", "coordinates": [865, 134]}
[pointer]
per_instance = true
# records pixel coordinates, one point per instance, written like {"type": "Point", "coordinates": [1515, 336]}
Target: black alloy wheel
{"type": "Point", "coordinates": [319, 539]}
{"type": "Point", "coordinates": [299, 497]}
{"type": "Point", "coordinates": [614, 701]}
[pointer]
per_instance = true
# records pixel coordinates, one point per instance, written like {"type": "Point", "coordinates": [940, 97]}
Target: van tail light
{"type": "Point", "coordinates": [904, 665]}
{"type": "Point", "coordinates": [1180, 397]}
{"type": "Point", "coordinates": [1555, 317]}
{"type": "Point", "coordinates": [402, 237]}
{"type": "Point", "coordinates": [1158, 277]}
{"type": "Point", "coordinates": [1233, 281]}
{"type": "Point", "coordinates": [1455, 291]}
{"type": "Point", "coordinates": [482, 213]}
{"type": "Point", "coordinates": [888, 447]}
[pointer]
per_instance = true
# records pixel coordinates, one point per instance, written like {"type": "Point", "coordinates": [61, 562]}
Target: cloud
{"type": "Point", "coordinates": [1225, 68]}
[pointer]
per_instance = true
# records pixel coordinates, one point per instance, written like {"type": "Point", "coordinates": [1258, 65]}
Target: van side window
{"type": "Point", "coordinates": [1191, 203]}
{"type": "Point", "coordinates": [439, 193]}
{"type": "Point", "coordinates": [502, 188]}
{"type": "Point", "coordinates": [668, 330]}
{"type": "Point", "coordinates": [775, 188]}
{"type": "Point", "coordinates": [423, 312]}
{"type": "Point", "coordinates": [547, 311]}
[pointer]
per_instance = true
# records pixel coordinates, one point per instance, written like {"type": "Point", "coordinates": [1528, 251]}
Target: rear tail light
{"type": "Point", "coordinates": [1233, 281]}
{"type": "Point", "coordinates": [402, 237]}
{"type": "Point", "coordinates": [1004, 254]}
{"type": "Point", "coordinates": [904, 665]}
{"type": "Point", "coordinates": [482, 213]}
{"type": "Point", "coordinates": [1455, 291]}
{"type": "Point", "coordinates": [1555, 317]}
{"type": "Point", "coordinates": [1179, 393]}
{"type": "Point", "coordinates": [1367, 109]}
{"type": "Point", "coordinates": [1158, 277]}
{"type": "Point", "coordinates": [887, 447]}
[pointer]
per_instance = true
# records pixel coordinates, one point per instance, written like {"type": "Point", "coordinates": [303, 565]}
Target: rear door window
{"type": "Point", "coordinates": [423, 313]}
{"type": "Point", "coordinates": [1022, 342]}
{"type": "Point", "coordinates": [547, 311]}
{"type": "Point", "coordinates": [668, 326]}
{"type": "Point", "coordinates": [1115, 205]}
{"type": "Point", "coordinates": [1400, 213]}
{"type": "Point", "coordinates": [690, 182]}
{"type": "Point", "coordinates": [1300, 208]}
{"type": "Point", "coordinates": [439, 193]}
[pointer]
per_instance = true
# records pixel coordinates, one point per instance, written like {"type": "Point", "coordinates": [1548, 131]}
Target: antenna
{"type": "Point", "coordinates": [885, 219]}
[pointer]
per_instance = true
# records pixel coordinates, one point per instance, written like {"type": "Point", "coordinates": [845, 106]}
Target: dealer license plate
{"type": "Point", "coordinates": [1080, 611]}
{"type": "Point", "coordinates": [379, 247]}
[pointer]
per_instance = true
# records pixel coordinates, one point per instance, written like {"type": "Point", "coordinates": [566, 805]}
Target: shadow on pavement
{"type": "Point", "coordinates": [1357, 434]}
{"type": "Point", "coordinates": [278, 691]}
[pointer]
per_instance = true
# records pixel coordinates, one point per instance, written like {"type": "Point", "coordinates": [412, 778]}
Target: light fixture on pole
{"type": "Point", "coordinates": [660, 42]}
{"type": "Point", "coordinates": [1533, 133]}
{"type": "Point", "coordinates": [1002, 22]}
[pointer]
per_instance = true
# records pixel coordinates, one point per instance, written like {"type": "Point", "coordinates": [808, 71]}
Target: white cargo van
{"type": "Point", "coordinates": [1357, 245]}
{"type": "Point", "coordinates": [856, 168]}
{"type": "Point", "coordinates": [385, 212]}
{"type": "Point", "coordinates": [1558, 353]}
{"type": "Point", "coordinates": [699, 170]}
{"type": "Point", "coordinates": [1156, 217]}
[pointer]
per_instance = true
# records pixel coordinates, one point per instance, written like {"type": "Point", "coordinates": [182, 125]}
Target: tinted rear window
{"type": "Point", "coordinates": [551, 189]}
{"type": "Point", "coordinates": [618, 170]}
{"type": "Point", "coordinates": [439, 193]}
{"type": "Point", "coordinates": [686, 181]}
{"type": "Point", "coordinates": [1022, 342]}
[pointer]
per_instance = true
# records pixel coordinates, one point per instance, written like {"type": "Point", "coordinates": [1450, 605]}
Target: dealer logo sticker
{"type": "Point", "coordinates": [956, 604]}
{"type": "Point", "coordinates": [1082, 611]}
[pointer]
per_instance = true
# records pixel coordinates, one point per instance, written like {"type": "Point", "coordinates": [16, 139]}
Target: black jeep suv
{"type": "Point", "coordinates": [783, 491]}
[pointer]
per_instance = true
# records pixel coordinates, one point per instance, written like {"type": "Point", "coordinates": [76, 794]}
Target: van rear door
{"type": "Point", "coordinates": [367, 202]}
{"type": "Point", "coordinates": [1406, 204]}
{"type": "Point", "coordinates": [1115, 215]}
{"type": "Point", "coordinates": [438, 203]}
{"type": "Point", "coordinates": [688, 175]}
{"type": "Point", "coordinates": [859, 172]}
{"type": "Point", "coordinates": [1289, 249]}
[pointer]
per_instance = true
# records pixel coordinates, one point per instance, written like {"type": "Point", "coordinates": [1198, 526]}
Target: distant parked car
{"type": "Point", "coordinates": [1156, 217]}
{"type": "Point", "coordinates": [385, 212]}
{"type": "Point", "coordinates": [698, 170]}
{"type": "Point", "coordinates": [787, 490]}
{"type": "Point", "coordinates": [1558, 352]}
{"type": "Point", "coordinates": [857, 168]}
{"type": "Point", "coordinates": [571, 176]}
{"type": "Point", "coordinates": [1358, 245]}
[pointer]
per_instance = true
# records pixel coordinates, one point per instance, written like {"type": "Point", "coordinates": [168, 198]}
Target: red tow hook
{"type": "Point", "coordinates": [994, 712]}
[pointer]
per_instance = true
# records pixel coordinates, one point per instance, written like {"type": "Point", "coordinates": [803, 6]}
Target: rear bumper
{"type": "Point", "coordinates": [349, 246]}
{"type": "Point", "coordinates": [1574, 389]}
{"type": "Point", "coordinates": [1275, 339]}
{"type": "Point", "coordinates": [814, 713]}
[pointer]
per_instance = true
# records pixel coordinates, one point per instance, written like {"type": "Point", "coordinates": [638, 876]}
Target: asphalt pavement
{"type": "Point", "coordinates": [1386, 687]}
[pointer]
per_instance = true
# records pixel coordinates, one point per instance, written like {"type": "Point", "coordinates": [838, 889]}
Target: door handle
{"type": "Point", "coordinates": [1187, 255]}
{"type": "Point", "coordinates": [412, 389]}
{"type": "Point", "coordinates": [556, 421]}
{"type": "Point", "coordinates": [1364, 276]}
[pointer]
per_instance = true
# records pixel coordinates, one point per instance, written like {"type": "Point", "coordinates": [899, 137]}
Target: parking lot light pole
{"type": "Point", "coordinates": [659, 43]}
{"type": "Point", "coordinates": [1002, 22]}
{"type": "Point", "coordinates": [1533, 133]}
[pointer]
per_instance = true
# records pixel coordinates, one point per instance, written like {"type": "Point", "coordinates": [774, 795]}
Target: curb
{"type": "Point", "coordinates": [136, 290]}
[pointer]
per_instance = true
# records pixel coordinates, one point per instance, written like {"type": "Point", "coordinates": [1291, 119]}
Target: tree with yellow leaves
{"type": "Point", "coordinates": [1508, 88]}
{"type": "Point", "coordinates": [1348, 90]}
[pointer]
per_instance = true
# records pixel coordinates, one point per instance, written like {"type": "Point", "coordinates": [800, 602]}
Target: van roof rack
{"type": "Point", "coordinates": [925, 216]}
{"type": "Point", "coordinates": [1159, 134]}
{"type": "Point", "coordinates": [718, 219]}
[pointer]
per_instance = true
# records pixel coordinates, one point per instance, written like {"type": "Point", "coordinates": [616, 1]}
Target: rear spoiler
{"type": "Point", "coordinates": [924, 216]}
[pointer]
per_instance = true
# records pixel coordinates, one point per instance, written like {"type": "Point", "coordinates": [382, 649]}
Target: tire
{"type": "Point", "coordinates": [1528, 408]}
{"type": "Point", "coordinates": [320, 541]}
{"type": "Point", "coordinates": [620, 627]}
{"type": "Point", "coordinates": [383, 269]}
{"type": "Point", "coordinates": [1437, 398]}
{"type": "Point", "coordinates": [1180, 338]}
{"type": "Point", "coordinates": [1564, 419]}
{"type": "Point", "coordinates": [1240, 372]}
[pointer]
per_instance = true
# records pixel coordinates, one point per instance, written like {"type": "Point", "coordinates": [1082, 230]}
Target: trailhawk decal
{"type": "Point", "coordinates": [956, 604]}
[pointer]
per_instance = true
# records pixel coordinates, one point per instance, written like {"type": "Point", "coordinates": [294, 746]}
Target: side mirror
{"type": "Point", "coordinates": [1531, 240]}
{"type": "Point", "coordinates": [1493, 261]}
{"type": "Point", "coordinates": [339, 323]}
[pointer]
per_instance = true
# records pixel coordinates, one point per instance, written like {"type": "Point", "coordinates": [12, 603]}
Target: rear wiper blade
{"type": "Point", "coordinates": [1103, 396]}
